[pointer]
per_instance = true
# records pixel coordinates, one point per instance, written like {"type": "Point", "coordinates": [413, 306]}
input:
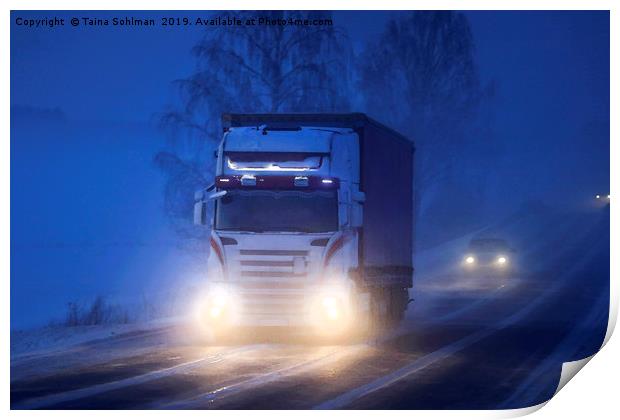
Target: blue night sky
{"type": "Point", "coordinates": [541, 61]}
{"type": "Point", "coordinates": [551, 71]}
{"type": "Point", "coordinates": [549, 116]}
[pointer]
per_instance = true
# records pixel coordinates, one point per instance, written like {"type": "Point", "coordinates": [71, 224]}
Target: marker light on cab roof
{"type": "Point", "coordinates": [301, 181]}
{"type": "Point", "coordinates": [248, 180]}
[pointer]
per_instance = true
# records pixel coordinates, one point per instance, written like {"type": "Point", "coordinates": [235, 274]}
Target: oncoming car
{"type": "Point", "coordinates": [602, 200]}
{"type": "Point", "coordinates": [490, 256]}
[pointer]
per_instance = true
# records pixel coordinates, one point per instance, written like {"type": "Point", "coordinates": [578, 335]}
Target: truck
{"type": "Point", "coordinates": [311, 222]}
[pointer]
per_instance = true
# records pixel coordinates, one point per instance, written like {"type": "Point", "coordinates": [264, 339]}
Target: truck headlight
{"type": "Point", "coordinates": [215, 312]}
{"type": "Point", "coordinates": [502, 260]}
{"type": "Point", "coordinates": [219, 297]}
{"type": "Point", "coordinates": [331, 307]}
{"type": "Point", "coordinates": [214, 304]}
{"type": "Point", "coordinates": [470, 260]}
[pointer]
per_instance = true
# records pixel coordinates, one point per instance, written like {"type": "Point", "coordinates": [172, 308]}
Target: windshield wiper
{"type": "Point", "coordinates": [296, 229]}
{"type": "Point", "coordinates": [291, 229]}
{"type": "Point", "coordinates": [243, 229]}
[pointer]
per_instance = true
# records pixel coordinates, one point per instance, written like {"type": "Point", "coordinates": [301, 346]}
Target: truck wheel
{"type": "Point", "coordinates": [399, 299]}
{"type": "Point", "coordinates": [379, 310]}
{"type": "Point", "coordinates": [389, 306]}
{"type": "Point", "coordinates": [361, 324]}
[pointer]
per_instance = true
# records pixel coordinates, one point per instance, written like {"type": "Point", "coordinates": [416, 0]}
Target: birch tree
{"type": "Point", "coordinates": [249, 69]}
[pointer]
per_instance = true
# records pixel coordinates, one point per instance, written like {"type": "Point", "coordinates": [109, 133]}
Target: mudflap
{"type": "Point", "coordinates": [388, 306]}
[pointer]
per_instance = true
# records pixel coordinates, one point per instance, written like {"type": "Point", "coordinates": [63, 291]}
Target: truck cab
{"type": "Point", "coordinates": [286, 220]}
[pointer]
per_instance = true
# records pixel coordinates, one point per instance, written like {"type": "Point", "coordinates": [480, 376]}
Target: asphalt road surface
{"type": "Point", "coordinates": [497, 343]}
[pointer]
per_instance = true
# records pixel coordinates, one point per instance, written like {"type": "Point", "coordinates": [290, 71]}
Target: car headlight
{"type": "Point", "coordinates": [502, 260]}
{"type": "Point", "coordinates": [470, 260]}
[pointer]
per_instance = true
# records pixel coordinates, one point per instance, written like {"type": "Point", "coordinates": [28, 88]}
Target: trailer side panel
{"type": "Point", "coordinates": [387, 181]}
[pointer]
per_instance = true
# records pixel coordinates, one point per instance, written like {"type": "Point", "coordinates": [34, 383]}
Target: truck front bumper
{"type": "Point", "coordinates": [327, 306]}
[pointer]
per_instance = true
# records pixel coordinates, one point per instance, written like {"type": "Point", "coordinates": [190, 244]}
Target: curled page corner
{"type": "Point", "coordinates": [521, 412]}
{"type": "Point", "coordinates": [570, 369]}
{"type": "Point", "coordinates": [613, 318]}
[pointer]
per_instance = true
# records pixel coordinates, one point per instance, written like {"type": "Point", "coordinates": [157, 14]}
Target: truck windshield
{"type": "Point", "coordinates": [277, 211]}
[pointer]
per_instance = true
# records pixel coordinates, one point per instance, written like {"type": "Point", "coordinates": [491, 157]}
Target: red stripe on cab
{"type": "Point", "coordinates": [335, 246]}
{"type": "Point", "coordinates": [218, 251]}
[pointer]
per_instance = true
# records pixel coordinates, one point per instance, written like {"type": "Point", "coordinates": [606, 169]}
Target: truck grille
{"type": "Point", "coordinates": [281, 252]}
{"type": "Point", "coordinates": [273, 282]}
{"type": "Point", "coordinates": [271, 274]}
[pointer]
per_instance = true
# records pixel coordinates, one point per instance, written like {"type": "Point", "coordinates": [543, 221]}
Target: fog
{"type": "Point", "coordinates": [98, 209]}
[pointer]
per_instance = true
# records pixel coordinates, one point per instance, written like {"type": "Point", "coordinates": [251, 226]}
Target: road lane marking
{"type": "Point", "coordinates": [217, 395]}
{"type": "Point", "coordinates": [214, 396]}
{"type": "Point", "coordinates": [475, 304]}
{"type": "Point", "coordinates": [532, 386]}
{"type": "Point", "coordinates": [347, 398]}
{"type": "Point", "coordinates": [76, 394]}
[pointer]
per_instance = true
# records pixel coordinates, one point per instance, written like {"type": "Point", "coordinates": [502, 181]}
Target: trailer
{"type": "Point", "coordinates": [312, 223]}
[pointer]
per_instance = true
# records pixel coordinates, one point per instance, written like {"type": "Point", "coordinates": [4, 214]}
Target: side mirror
{"type": "Point", "coordinates": [200, 203]}
{"type": "Point", "coordinates": [359, 196]}
{"type": "Point", "coordinates": [200, 213]}
{"type": "Point", "coordinates": [217, 195]}
{"type": "Point", "coordinates": [357, 215]}
{"type": "Point", "coordinates": [200, 194]}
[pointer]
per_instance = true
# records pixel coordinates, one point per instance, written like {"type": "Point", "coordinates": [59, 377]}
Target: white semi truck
{"type": "Point", "coordinates": [312, 223]}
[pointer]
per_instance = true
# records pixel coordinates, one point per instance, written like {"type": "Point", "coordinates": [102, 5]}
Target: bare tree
{"type": "Point", "coordinates": [250, 68]}
{"type": "Point", "coordinates": [421, 78]}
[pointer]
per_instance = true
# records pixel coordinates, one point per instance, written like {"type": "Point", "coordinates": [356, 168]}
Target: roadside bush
{"type": "Point", "coordinates": [98, 312]}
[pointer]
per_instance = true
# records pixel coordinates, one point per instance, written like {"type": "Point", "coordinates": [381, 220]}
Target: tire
{"type": "Point", "coordinates": [399, 299]}
{"type": "Point", "coordinates": [388, 307]}
{"type": "Point", "coordinates": [362, 328]}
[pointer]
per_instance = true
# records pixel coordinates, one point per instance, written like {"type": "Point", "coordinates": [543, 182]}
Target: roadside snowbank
{"type": "Point", "coordinates": [32, 342]}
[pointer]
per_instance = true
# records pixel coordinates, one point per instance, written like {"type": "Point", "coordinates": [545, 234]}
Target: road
{"type": "Point", "coordinates": [496, 343]}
